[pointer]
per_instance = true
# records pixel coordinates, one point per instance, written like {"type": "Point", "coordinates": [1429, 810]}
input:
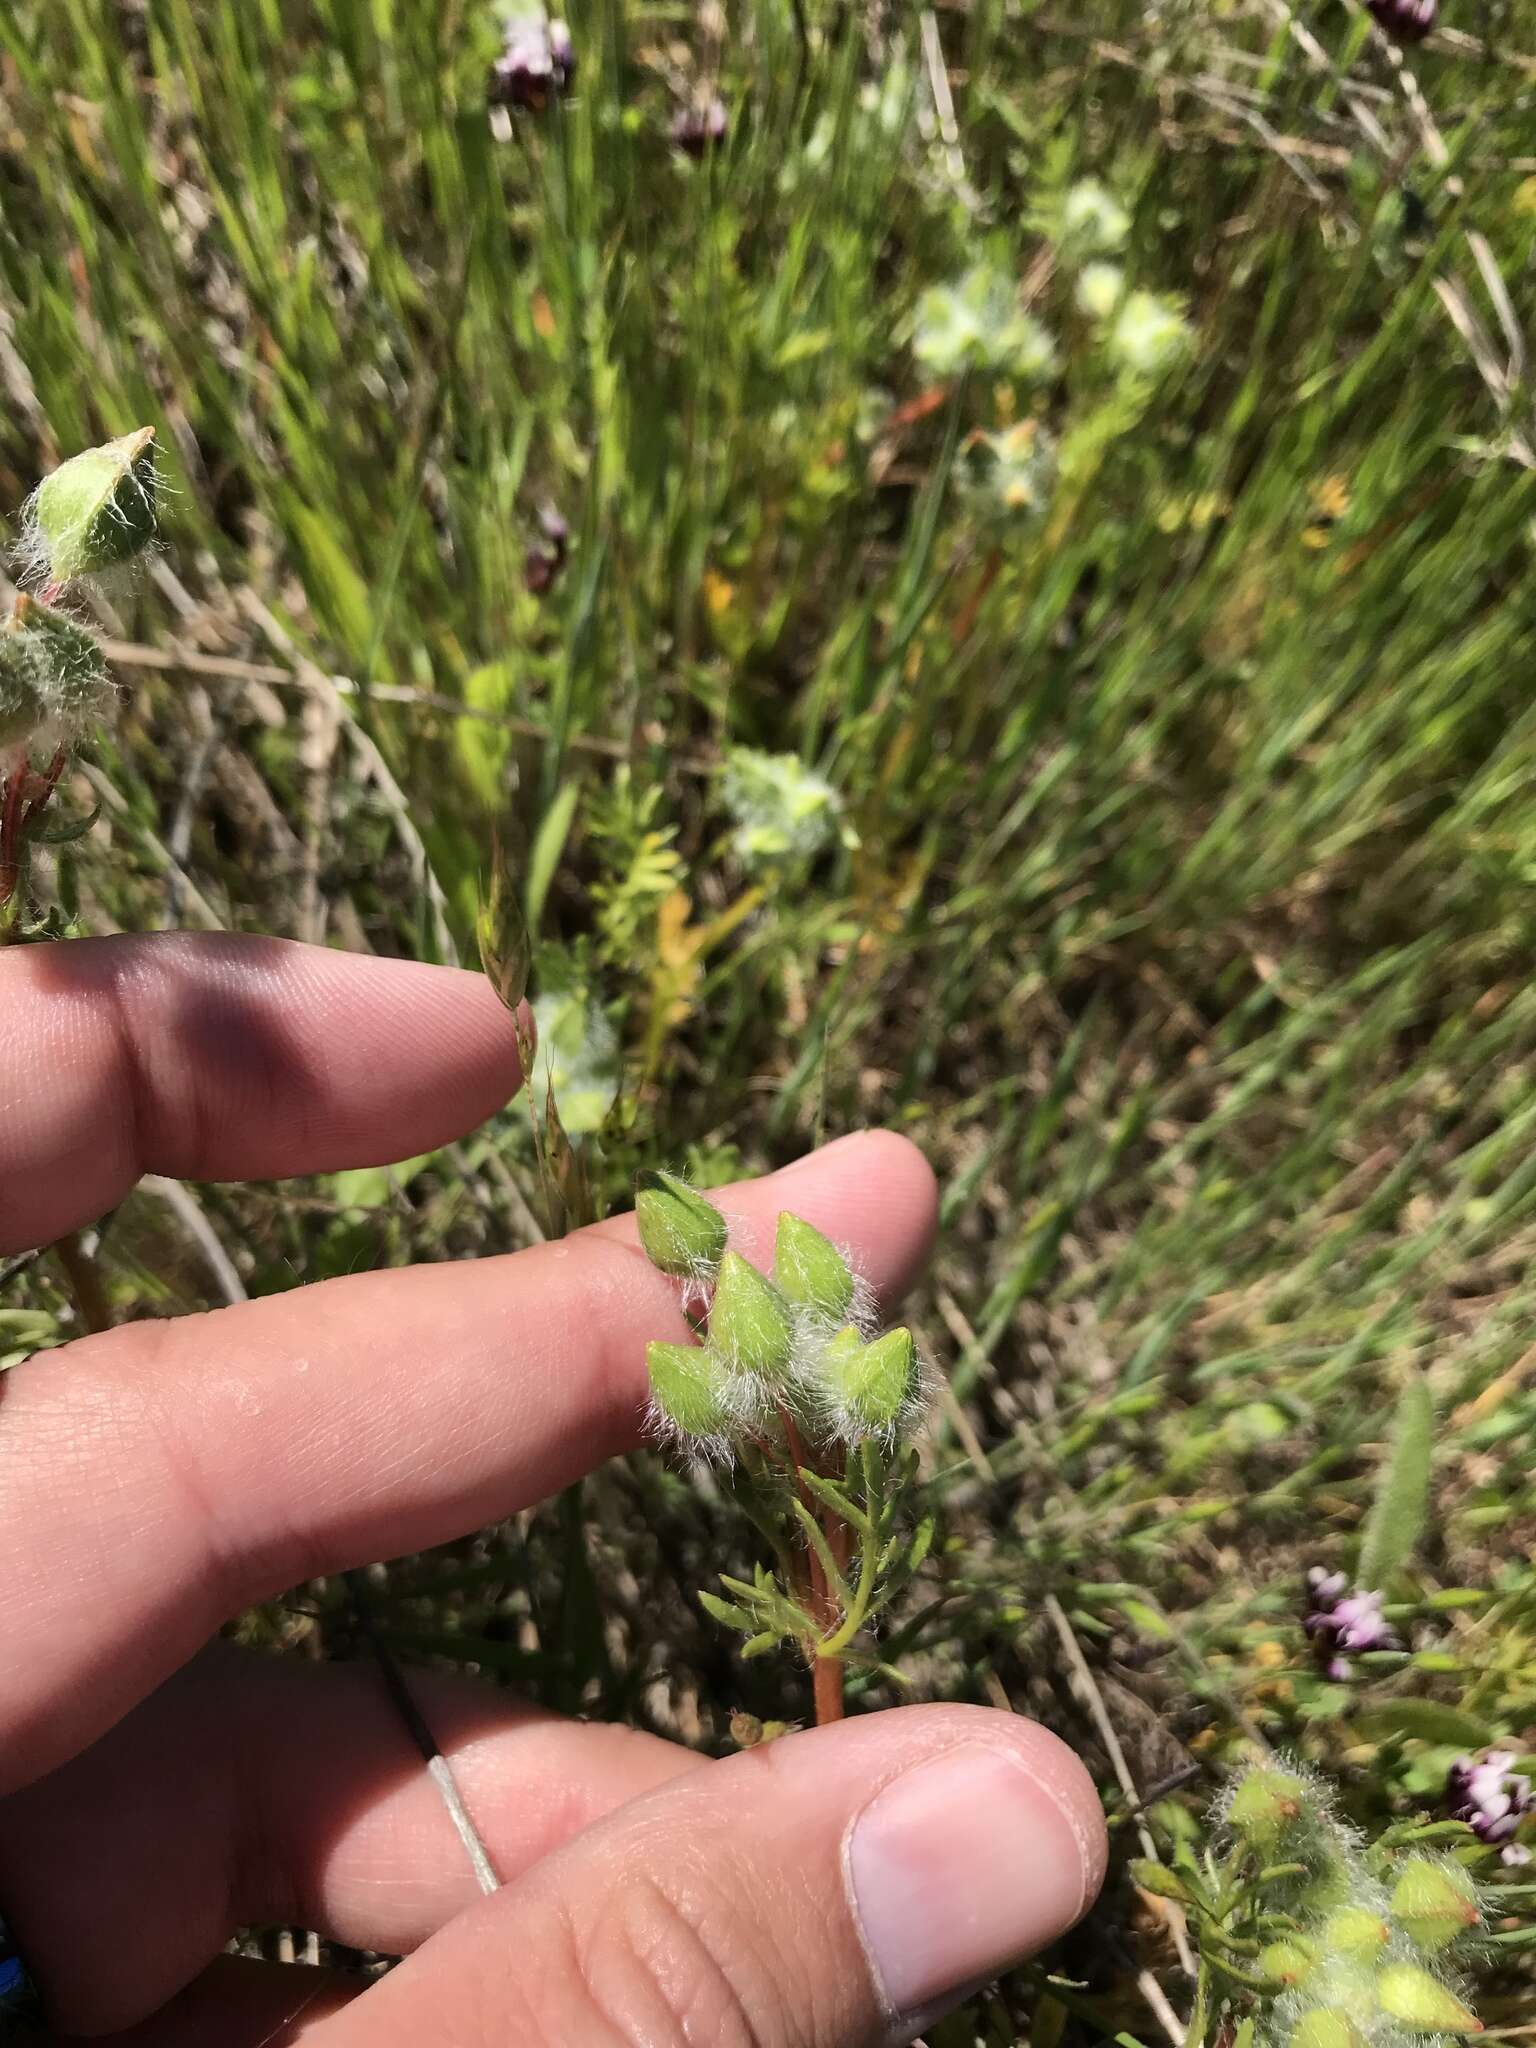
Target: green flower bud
{"type": "Point", "coordinates": [688, 1387]}
{"type": "Point", "coordinates": [810, 1270]}
{"type": "Point", "coordinates": [873, 1382]}
{"type": "Point", "coordinates": [77, 687]}
{"type": "Point", "coordinates": [1286, 1962]}
{"type": "Point", "coordinates": [748, 1319]}
{"type": "Point", "coordinates": [1411, 1995]}
{"type": "Point", "coordinates": [1434, 1903]}
{"type": "Point", "coordinates": [1266, 1806]}
{"type": "Point", "coordinates": [1354, 1933]}
{"type": "Point", "coordinates": [682, 1232]}
{"type": "Point", "coordinates": [1158, 1879]}
{"type": "Point", "coordinates": [22, 709]}
{"type": "Point", "coordinates": [98, 509]}
{"type": "Point", "coordinates": [1325, 2027]}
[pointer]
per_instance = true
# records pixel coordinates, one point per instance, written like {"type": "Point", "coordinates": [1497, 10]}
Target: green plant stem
{"type": "Point", "coordinates": [85, 1282]}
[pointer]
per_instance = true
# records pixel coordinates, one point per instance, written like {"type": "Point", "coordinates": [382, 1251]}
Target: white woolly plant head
{"type": "Point", "coordinates": [1366, 1964]}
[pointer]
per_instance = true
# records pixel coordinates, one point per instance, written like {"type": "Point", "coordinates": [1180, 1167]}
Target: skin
{"type": "Point", "coordinates": [159, 1788]}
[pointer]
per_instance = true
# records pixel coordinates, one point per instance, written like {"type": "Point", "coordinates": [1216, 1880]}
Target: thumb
{"type": "Point", "coordinates": [835, 1889]}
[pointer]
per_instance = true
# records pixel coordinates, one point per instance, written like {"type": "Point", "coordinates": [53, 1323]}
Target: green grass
{"type": "Point", "coordinates": [1185, 910]}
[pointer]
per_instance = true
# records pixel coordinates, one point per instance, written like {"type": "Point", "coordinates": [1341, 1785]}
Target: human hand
{"type": "Point", "coordinates": [827, 1890]}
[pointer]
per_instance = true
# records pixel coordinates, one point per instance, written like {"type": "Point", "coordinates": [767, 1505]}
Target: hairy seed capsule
{"type": "Point", "coordinates": [810, 1271]}
{"type": "Point", "coordinates": [688, 1385]}
{"type": "Point", "coordinates": [682, 1233]}
{"type": "Point", "coordinates": [97, 509]}
{"type": "Point", "coordinates": [1434, 1903]}
{"type": "Point", "coordinates": [748, 1319]}
{"type": "Point", "coordinates": [1421, 2002]}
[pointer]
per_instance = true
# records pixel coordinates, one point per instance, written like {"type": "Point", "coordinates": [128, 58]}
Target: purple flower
{"type": "Point", "coordinates": [1484, 1792]}
{"type": "Point", "coordinates": [543, 562]}
{"type": "Point", "coordinates": [537, 60]}
{"type": "Point", "coordinates": [697, 129]}
{"type": "Point", "coordinates": [1405, 21]}
{"type": "Point", "coordinates": [1339, 1619]}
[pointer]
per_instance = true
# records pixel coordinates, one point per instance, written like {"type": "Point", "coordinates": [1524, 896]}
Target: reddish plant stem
{"type": "Point", "coordinates": [826, 1672]}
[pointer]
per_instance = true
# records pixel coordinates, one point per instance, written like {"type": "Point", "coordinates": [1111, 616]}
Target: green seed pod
{"type": "Point", "coordinates": [98, 509]}
{"type": "Point", "coordinates": [810, 1270]}
{"type": "Point", "coordinates": [874, 1382]}
{"type": "Point", "coordinates": [682, 1233]}
{"type": "Point", "coordinates": [1286, 1962]}
{"type": "Point", "coordinates": [1410, 1995]}
{"type": "Point", "coordinates": [1266, 1806]}
{"type": "Point", "coordinates": [1325, 2027]}
{"type": "Point", "coordinates": [22, 710]}
{"type": "Point", "coordinates": [1354, 1933]}
{"type": "Point", "coordinates": [1434, 1903]}
{"type": "Point", "coordinates": [748, 1319]}
{"type": "Point", "coordinates": [688, 1387]}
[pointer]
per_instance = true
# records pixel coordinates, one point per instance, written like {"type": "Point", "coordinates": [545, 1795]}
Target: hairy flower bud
{"type": "Point", "coordinates": [870, 1384]}
{"type": "Point", "coordinates": [1423, 2003]}
{"type": "Point", "coordinates": [1266, 1806]}
{"type": "Point", "coordinates": [682, 1233]}
{"type": "Point", "coordinates": [22, 710]}
{"type": "Point", "coordinates": [748, 1319]}
{"type": "Point", "coordinates": [1286, 1962]}
{"type": "Point", "coordinates": [810, 1271]}
{"type": "Point", "coordinates": [688, 1387]}
{"type": "Point", "coordinates": [1434, 1903]}
{"type": "Point", "coordinates": [97, 509]}
{"type": "Point", "coordinates": [1355, 1933]}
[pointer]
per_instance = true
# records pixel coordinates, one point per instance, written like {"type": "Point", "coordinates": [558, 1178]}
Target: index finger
{"type": "Point", "coordinates": [213, 1056]}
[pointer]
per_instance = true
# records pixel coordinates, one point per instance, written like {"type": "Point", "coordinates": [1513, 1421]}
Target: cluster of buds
{"type": "Point", "coordinates": [91, 516]}
{"type": "Point", "coordinates": [1484, 1792]}
{"type": "Point", "coordinates": [808, 1406]}
{"type": "Point", "coordinates": [1405, 21]}
{"type": "Point", "coordinates": [1340, 1619]}
{"type": "Point", "coordinates": [1349, 1946]}
{"type": "Point", "coordinates": [537, 63]}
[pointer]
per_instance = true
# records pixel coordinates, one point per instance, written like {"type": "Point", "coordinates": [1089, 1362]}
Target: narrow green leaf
{"type": "Point", "coordinates": [1396, 1520]}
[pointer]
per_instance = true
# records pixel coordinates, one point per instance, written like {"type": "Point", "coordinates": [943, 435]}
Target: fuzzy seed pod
{"type": "Point", "coordinates": [688, 1386]}
{"type": "Point", "coordinates": [682, 1233]}
{"type": "Point", "coordinates": [749, 1320]}
{"type": "Point", "coordinates": [809, 1270]}
{"type": "Point", "coordinates": [1434, 1903]}
{"type": "Point", "coordinates": [1422, 2003]}
{"type": "Point", "coordinates": [78, 688]}
{"type": "Point", "coordinates": [97, 509]}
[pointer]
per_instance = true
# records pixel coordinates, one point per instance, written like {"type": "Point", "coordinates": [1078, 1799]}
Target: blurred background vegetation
{"type": "Point", "coordinates": [993, 598]}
